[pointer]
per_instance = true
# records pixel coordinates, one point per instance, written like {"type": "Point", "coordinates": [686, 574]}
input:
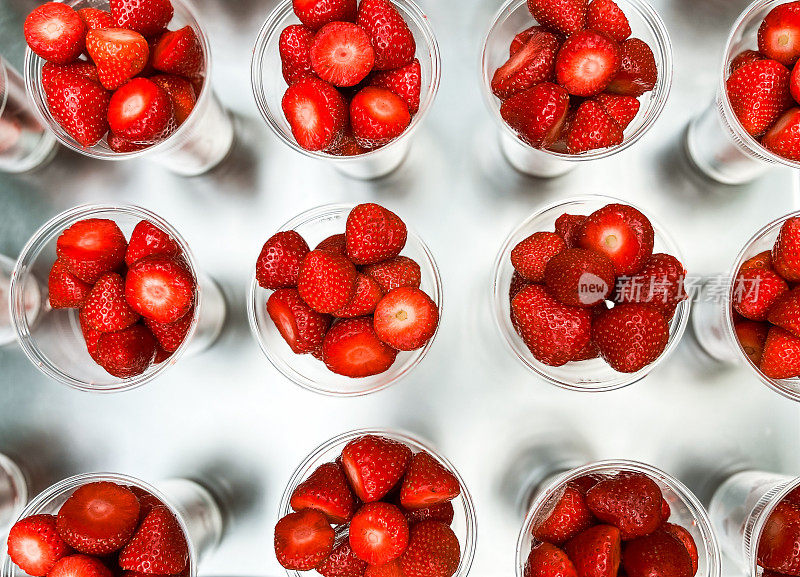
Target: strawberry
{"type": "Point", "coordinates": [122, 145]}
{"type": "Point", "coordinates": [65, 290]}
{"type": "Point", "coordinates": [569, 226]}
{"type": "Point", "coordinates": [119, 55]}
{"type": "Point", "coordinates": [528, 66]}
{"type": "Point", "coordinates": [666, 511]}
{"type": "Point", "coordinates": [406, 82]}
{"type": "Point", "coordinates": [623, 233]}
{"type": "Point", "coordinates": [752, 336]}
{"type": "Point", "coordinates": [327, 281]}
{"type": "Point", "coordinates": [91, 247]}
{"type": "Point", "coordinates": [395, 272]}
{"type": "Point", "coordinates": [623, 109]}
{"type": "Point", "coordinates": [433, 551]}
{"type": "Point", "coordinates": [553, 332]}
{"type": "Point", "coordinates": [659, 283]}
{"type": "Point", "coordinates": [327, 491]}
{"type": "Point", "coordinates": [781, 356]}
{"type": "Point", "coordinates": [406, 319]}
{"type": "Point", "coordinates": [546, 560]}
{"type": "Point", "coordinates": [638, 72]}
{"type": "Point", "coordinates": [443, 513]}
{"type": "Point", "coordinates": [35, 546]}
{"type": "Point", "coordinates": [378, 533]}
{"type": "Point", "coordinates": [779, 34]}
{"type": "Point", "coordinates": [374, 465]}
{"type": "Point", "coordinates": [596, 551]}
{"type": "Point", "coordinates": [531, 255]}
{"type": "Point", "coordinates": [794, 83]}
{"type": "Point", "coordinates": [90, 336]}
{"type": "Point", "coordinates": [629, 501]}
{"type": "Point", "coordinates": [170, 336]}
{"type": "Point", "coordinates": [317, 13]}
{"type": "Point", "coordinates": [568, 517]}
{"type": "Point", "coordinates": [518, 282]}
{"type": "Point", "coordinates": [148, 240]}
{"type": "Point", "coordinates": [785, 312]}
{"type": "Point", "coordinates": [158, 547]}
{"type": "Point", "coordinates": [745, 57]}
{"type": "Point", "coordinates": [147, 17]}
{"type": "Point", "coordinates": [99, 518]}
{"type": "Point", "coordinates": [564, 16]}
{"type": "Point", "coordinates": [126, 353]}
{"type": "Point", "coordinates": [392, 569]}
{"type": "Point", "coordinates": [786, 252]}
{"type": "Point", "coordinates": [141, 111]}
{"type": "Point", "coordinates": [79, 566]}
{"type": "Point", "coordinates": [592, 128]}
{"type": "Point", "coordinates": [755, 291]}
{"type": "Point", "coordinates": [342, 54]}
{"type": "Point", "coordinates": [586, 482]}
{"type": "Point", "coordinates": [303, 540]}
{"type": "Point", "coordinates": [80, 106]}
{"type": "Point", "coordinates": [761, 260]}
{"type": "Point", "coordinates": [586, 63]}
{"type": "Point", "coordinates": [181, 94]}
{"type": "Point", "coordinates": [390, 36]}
{"type": "Point", "coordinates": [378, 116]}
{"type": "Point", "coordinates": [521, 39]}
{"type": "Point", "coordinates": [606, 17]}
{"type": "Point", "coordinates": [294, 47]}
{"type": "Point", "coordinates": [374, 234]}
{"type": "Point", "coordinates": [759, 93]}
{"type": "Point", "coordinates": [55, 32]}
{"type": "Point", "coordinates": [587, 353]}
{"type": "Point", "coordinates": [784, 137]}
{"type": "Point", "coordinates": [580, 278]}
{"type": "Point", "coordinates": [658, 555]}
{"type": "Point", "coordinates": [96, 19]}
{"type": "Point", "coordinates": [278, 265]}
{"type": "Point", "coordinates": [352, 349]}
{"type": "Point", "coordinates": [300, 326]}
{"type": "Point", "coordinates": [368, 294]}
{"type": "Point", "coordinates": [106, 309]}
{"type": "Point", "coordinates": [686, 538]}
{"type": "Point", "coordinates": [342, 562]}
{"type": "Point", "coordinates": [179, 52]}
{"type": "Point", "coordinates": [630, 336]}
{"type": "Point", "coordinates": [51, 73]}
{"type": "Point", "coordinates": [780, 539]}
{"type": "Point", "coordinates": [336, 243]}
{"type": "Point", "coordinates": [160, 289]}
{"type": "Point", "coordinates": [427, 483]}
{"type": "Point", "coordinates": [347, 145]}
{"type": "Point", "coordinates": [537, 114]}
{"type": "Point", "coordinates": [316, 112]}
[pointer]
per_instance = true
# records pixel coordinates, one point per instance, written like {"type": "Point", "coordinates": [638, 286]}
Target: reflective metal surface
{"type": "Point", "coordinates": [229, 417]}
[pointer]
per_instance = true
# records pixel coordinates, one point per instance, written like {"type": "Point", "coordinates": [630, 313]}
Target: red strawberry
{"type": "Point", "coordinates": [368, 294]}
{"type": "Point", "coordinates": [755, 291]}
{"type": "Point", "coordinates": [148, 240]}
{"type": "Point", "coordinates": [55, 32]}
{"type": "Point", "coordinates": [327, 281]}
{"type": "Point", "coordinates": [444, 513]}
{"type": "Point", "coordinates": [278, 265]}
{"type": "Point", "coordinates": [374, 234]}
{"type": "Point", "coordinates": [569, 226]}
{"type": "Point", "coordinates": [666, 511]}
{"type": "Point", "coordinates": [553, 332]}
{"type": "Point", "coordinates": [586, 63]}
{"type": "Point", "coordinates": [391, 38]}
{"type": "Point", "coordinates": [179, 52]}
{"type": "Point", "coordinates": [606, 17]}
{"type": "Point", "coordinates": [522, 38]}
{"type": "Point", "coordinates": [317, 13]}
{"type": "Point", "coordinates": [181, 94]}
{"type": "Point", "coordinates": [336, 243]}
{"type": "Point", "coordinates": [518, 282]}
{"type": "Point", "coordinates": [630, 336]}
{"type": "Point", "coordinates": [546, 560]}
{"type": "Point", "coordinates": [300, 326]}
{"type": "Point", "coordinates": [786, 252]}
{"type": "Point", "coordinates": [779, 34]}
{"type": "Point", "coordinates": [91, 247]}
{"type": "Point", "coordinates": [537, 114]}
{"type": "Point", "coordinates": [90, 336]}
{"type": "Point", "coordinates": [531, 64]}
{"type": "Point", "coordinates": [406, 82]}
{"type": "Point", "coordinates": [780, 539]}
{"type": "Point", "coordinates": [123, 145]}
{"type": "Point", "coordinates": [586, 482]}
{"type": "Point", "coordinates": [351, 348]}
{"type": "Point", "coordinates": [395, 272]}
{"type": "Point", "coordinates": [759, 93]}
{"type": "Point", "coordinates": [781, 356]}
{"type": "Point", "coordinates": [659, 283]}
{"type": "Point", "coordinates": [158, 547]}
{"type": "Point", "coordinates": [294, 47]}
{"type": "Point", "coordinates": [147, 17]}
{"type": "Point", "coordinates": [686, 538]}
{"type": "Point", "coordinates": [170, 336]}
{"type": "Point", "coordinates": [378, 116]}
{"type": "Point", "coordinates": [96, 19]}
{"type": "Point", "coordinates": [80, 566]}
{"type": "Point", "coordinates": [342, 562]}
{"type": "Point", "coordinates": [745, 57]}
{"type": "Point", "coordinates": [347, 145]}
{"type": "Point", "coordinates": [119, 55]}
{"type": "Point", "coordinates": [623, 109]}
{"type": "Point", "coordinates": [79, 106]}
{"type": "Point", "coordinates": [392, 569]}
{"type": "Point", "coordinates": [638, 72]}
{"type": "Point", "coordinates": [568, 517]}
{"type": "Point", "coordinates": [406, 319]}
{"type": "Point", "coordinates": [342, 54]}
{"type": "Point", "coordinates": [126, 353]}
{"type": "Point", "coordinates": [761, 260]}
{"type": "Point", "coordinates": [51, 73]}
{"type": "Point", "coordinates": [592, 128]}
{"type": "Point", "coordinates": [579, 277]}
{"type": "Point", "coordinates": [106, 309]}
{"type": "Point", "coordinates": [374, 465]}
{"type": "Point", "coordinates": [564, 16]}
{"type": "Point", "coordinates": [658, 555]}
{"type": "Point", "coordinates": [752, 336]}
{"type": "Point", "coordinates": [326, 490]}
{"type": "Point", "coordinates": [784, 137]}
{"type": "Point", "coordinates": [303, 540]}
{"type": "Point", "coordinates": [531, 255]}
{"type": "Point", "coordinates": [141, 111]}
{"type": "Point", "coordinates": [65, 290]}
{"type": "Point", "coordinates": [427, 483]}
{"type": "Point", "coordinates": [378, 533]}
{"type": "Point", "coordinates": [316, 111]}
{"type": "Point", "coordinates": [629, 501]}
{"type": "Point", "coordinates": [596, 551]}
{"type": "Point", "coordinates": [794, 83]}
{"type": "Point", "coordinates": [433, 551]}
{"type": "Point", "coordinates": [160, 289]}
{"type": "Point", "coordinates": [587, 353]}
{"type": "Point", "coordinates": [99, 518]}
{"type": "Point", "coordinates": [35, 546]}
{"type": "Point", "coordinates": [785, 312]}
{"type": "Point", "coordinates": [623, 233]}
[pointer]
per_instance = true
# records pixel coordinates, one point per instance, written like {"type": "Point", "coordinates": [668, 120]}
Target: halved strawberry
{"type": "Point", "coordinates": [586, 63]}
{"type": "Point", "coordinates": [368, 294]}
{"type": "Point", "coordinates": [95, 18]}
{"type": "Point", "coordinates": [160, 289]}
{"type": "Point", "coordinates": [623, 109]}
{"type": "Point", "coordinates": [148, 240]}
{"type": "Point", "coordinates": [126, 353]}
{"type": "Point", "coordinates": [316, 112]}
{"type": "Point", "coordinates": [141, 111]}
{"type": "Point", "coordinates": [660, 553]}
{"type": "Point", "coordinates": [327, 281]}
{"type": "Point", "coordinates": [579, 277]}
{"type": "Point", "coordinates": [374, 465]}
{"type": "Point", "coordinates": [80, 566]}
{"type": "Point", "coordinates": [779, 34]}
{"type": "Point", "coordinates": [406, 318]}
{"type": "Point", "coordinates": [564, 16]}
{"type": "Point", "coordinates": [592, 128]}
{"type": "Point", "coordinates": [170, 336]}
{"type": "Point", "coordinates": [759, 94]}
{"type": "Point", "coordinates": [755, 291]}
{"type": "Point", "coordinates": [51, 73]}
{"type": "Point", "coordinates": [745, 57]}
{"type": "Point", "coordinates": [278, 264]}
{"type": "Point", "coordinates": [374, 234]}
{"type": "Point", "coordinates": [342, 54]}
{"type": "Point", "coordinates": [596, 552]}
{"type": "Point", "coordinates": [352, 349]}
{"type": "Point", "coordinates": [786, 252]}
{"type": "Point", "coordinates": [752, 336]}
{"type": "Point", "coordinates": [147, 17]}
{"type": "Point", "coordinates": [326, 490]}
{"type": "Point", "coordinates": [106, 309]}
{"type": "Point", "coordinates": [303, 540]}
{"type": "Point", "coordinates": [65, 290]}
{"type": "Point", "coordinates": [301, 327]}
{"type": "Point", "coordinates": [433, 551]}
{"type": "Point", "coordinates": [342, 562]}
{"type": "Point", "coordinates": [638, 72]}
{"type": "Point", "coordinates": [317, 13]}
{"type": "Point", "coordinates": [546, 560]}
{"type": "Point", "coordinates": [55, 32]}
{"type": "Point", "coordinates": [567, 517]}
{"type": "Point", "coordinates": [623, 233]}
{"type": "Point", "coordinates": [394, 273]}
{"type": "Point", "coordinates": [80, 106]}
{"type": "Point", "coordinates": [630, 336]}
{"type": "Point", "coordinates": [119, 54]}
{"type": "Point", "coordinates": [390, 36]}
{"type": "Point", "coordinates": [522, 38]}
{"type": "Point", "coordinates": [294, 47]}
{"type": "Point", "coordinates": [629, 501]}
{"type": "Point", "coordinates": [761, 260]}
{"type": "Point", "coordinates": [607, 17]}
{"type": "Point", "coordinates": [427, 483]}
{"type": "Point", "coordinates": [35, 546]}
{"type": "Point", "coordinates": [406, 82]}
{"type": "Point", "coordinates": [537, 114]}
{"type": "Point", "coordinates": [683, 535]}
{"type": "Point", "coordinates": [531, 64]}
{"type": "Point", "coordinates": [569, 227]}
{"type": "Point", "coordinates": [158, 547]}
{"type": "Point", "coordinates": [178, 52]}
{"type": "Point", "coordinates": [378, 533]}
{"type": "Point", "coordinates": [784, 137]}
{"type": "Point", "coordinates": [378, 116]}
{"type": "Point", "coordinates": [781, 356]}
{"type": "Point", "coordinates": [181, 93]}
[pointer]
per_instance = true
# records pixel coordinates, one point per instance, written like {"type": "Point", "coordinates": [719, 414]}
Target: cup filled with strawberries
{"type": "Point", "coordinates": [571, 80]}
{"type": "Point", "coordinates": [376, 503]}
{"type": "Point", "coordinates": [125, 298]}
{"type": "Point", "coordinates": [121, 79]}
{"type": "Point", "coordinates": [349, 81]}
{"type": "Point", "coordinates": [353, 314]}
{"type": "Point", "coordinates": [590, 294]}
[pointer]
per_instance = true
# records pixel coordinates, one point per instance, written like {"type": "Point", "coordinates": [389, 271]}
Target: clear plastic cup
{"type": "Point", "coordinates": [594, 375]}
{"type": "Point", "coordinates": [34, 301]}
{"type": "Point", "coordinates": [13, 494]}
{"type": "Point", "coordinates": [687, 510]}
{"type": "Point", "coordinates": [25, 144]}
{"type": "Point", "coordinates": [55, 344]}
{"type": "Point", "coordinates": [715, 141]}
{"type": "Point", "coordinates": [513, 18]}
{"type": "Point", "coordinates": [464, 523]}
{"type": "Point", "coordinates": [739, 511]}
{"type": "Point", "coordinates": [198, 145]}
{"type": "Point", "coordinates": [269, 86]}
{"type": "Point", "coordinates": [314, 226]}
{"type": "Point", "coordinates": [194, 507]}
